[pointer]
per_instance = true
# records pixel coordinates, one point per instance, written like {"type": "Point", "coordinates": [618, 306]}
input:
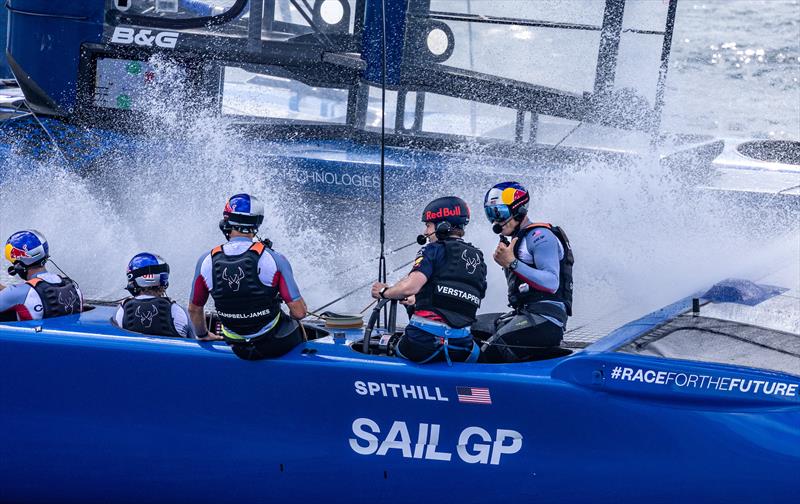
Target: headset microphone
{"type": "Point", "coordinates": [423, 238]}
{"type": "Point", "coordinates": [497, 228]}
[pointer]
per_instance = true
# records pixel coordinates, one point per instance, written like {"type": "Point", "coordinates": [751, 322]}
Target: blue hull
{"type": "Point", "coordinates": [92, 413]}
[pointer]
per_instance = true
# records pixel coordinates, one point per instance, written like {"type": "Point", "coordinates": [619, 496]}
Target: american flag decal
{"type": "Point", "coordinates": [474, 395]}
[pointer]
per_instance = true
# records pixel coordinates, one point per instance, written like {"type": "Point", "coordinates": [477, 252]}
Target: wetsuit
{"type": "Point", "coordinates": [540, 291]}
{"type": "Point", "coordinates": [445, 307]}
{"type": "Point", "coordinates": [158, 316]}
{"type": "Point", "coordinates": [248, 281]}
{"type": "Point", "coordinates": [44, 295]}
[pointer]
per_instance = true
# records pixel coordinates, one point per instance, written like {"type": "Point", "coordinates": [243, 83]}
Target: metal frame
{"type": "Point", "coordinates": [332, 60]}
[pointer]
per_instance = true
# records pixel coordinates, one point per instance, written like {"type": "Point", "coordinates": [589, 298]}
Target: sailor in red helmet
{"type": "Point", "coordinates": [444, 288]}
{"type": "Point", "coordinates": [248, 281]}
{"type": "Point", "coordinates": [538, 267]}
{"type": "Point", "coordinates": [44, 294]}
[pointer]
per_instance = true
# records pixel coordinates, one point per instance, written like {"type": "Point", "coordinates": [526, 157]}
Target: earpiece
{"type": "Point", "coordinates": [225, 227]}
{"type": "Point", "coordinates": [132, 288]}
{"type": "Point", "coordinates": [443, 229]}
{"type": "Point", "coordinates": [18, 269]}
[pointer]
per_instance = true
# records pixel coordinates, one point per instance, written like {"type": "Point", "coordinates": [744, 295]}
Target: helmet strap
{"type": "Point", "coordinates": [226, 228]}
{"type": "Point", "coordinates": [133, 288]}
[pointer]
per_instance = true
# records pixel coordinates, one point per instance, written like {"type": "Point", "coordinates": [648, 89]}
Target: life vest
{"type": "Point", "coordinates": [149, 316]}
{"type": "Point", "coordinates": [519, 296]}
{"type": "Point", "coordinates": [244, 304]}
{"type": "Point", "coordinates": [57, 299]}
{"type": "Point", "coordinates": [455, 291]}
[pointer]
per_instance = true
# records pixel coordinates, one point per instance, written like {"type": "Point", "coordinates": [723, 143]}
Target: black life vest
{"type": "Point", "coordinates": [149, 316]}
{"type": "Point", "coordinates": [455, 291]}
{"type": "Point", "coordinates": [244, 304]}
{"type": "Point", "coordinates": [57, 299]}
{"type": "Point", "coordinates": [518, 298]}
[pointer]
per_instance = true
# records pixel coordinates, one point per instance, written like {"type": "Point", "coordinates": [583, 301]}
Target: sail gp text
{"type": "Point", "coordinates": [475, 445]}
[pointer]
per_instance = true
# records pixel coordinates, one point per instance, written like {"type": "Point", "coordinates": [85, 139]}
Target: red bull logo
{"type": "Point", "coordinates": [442, 213]}
{"type": "Point", "coordinates": [13, 253]}
{"type": "Point", "coordinates": [228, 207]}
{"type": "Point", "coordinates": [16, 253]}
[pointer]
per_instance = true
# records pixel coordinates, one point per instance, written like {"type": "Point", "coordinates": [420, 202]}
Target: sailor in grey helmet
{"type": "Point", "coordinates": [150, 311]}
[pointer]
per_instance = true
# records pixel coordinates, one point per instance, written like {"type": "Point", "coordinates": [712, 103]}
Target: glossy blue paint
{"type": "Point", "coordinates": [92, 413]}
{"type": "Point", "coordinates": [45, 37]}
{"type": "Point", "coordinates": [5, 72]}
{"type": "Point", "coordinates": [372, 41]}
{"type": "Point", "coordinates": [741, 291]}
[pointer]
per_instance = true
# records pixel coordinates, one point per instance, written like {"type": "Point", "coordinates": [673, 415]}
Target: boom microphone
{"type": "Point", "coordinates": [423, 238]}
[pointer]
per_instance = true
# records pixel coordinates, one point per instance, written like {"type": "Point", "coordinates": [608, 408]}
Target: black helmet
{"type": "Point", "coordinates": [447, 213]}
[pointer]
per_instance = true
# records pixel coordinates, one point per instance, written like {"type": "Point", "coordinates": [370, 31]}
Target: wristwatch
{"type": "Point", "coordinates": [380, 292]}
{"type": "Point", "coordinates": [513, 265]}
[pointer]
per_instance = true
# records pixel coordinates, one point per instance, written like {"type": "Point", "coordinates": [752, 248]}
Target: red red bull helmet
{"type": "Point", "coordinates": [28, 247]}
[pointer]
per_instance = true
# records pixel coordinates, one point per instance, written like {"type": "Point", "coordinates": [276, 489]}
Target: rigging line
{"type": "Point", "coordinates": [370, 260]}
{"type": "Point", "coordinates": [350, 293]}
{"type": "Point", "coordinates": [382, 259]}
{"type": "Point", "coordinates": [317, 32]}
{"type": "Point", "coordinates": [568, 134]}
{"type": "Point", "coordinates": [47, 132]}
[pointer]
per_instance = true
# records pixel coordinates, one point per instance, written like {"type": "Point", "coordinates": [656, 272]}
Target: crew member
{"type": "Point", "coordinates": [248, 281]}
{"type": "Point", "coordinates": [44, 294]}
{"type": "Point", "coordinates": [444, 288]}
{"type": "Point", "coordinates": [150, 311]}
{"type": "Point", "coordinates": [538, 267]}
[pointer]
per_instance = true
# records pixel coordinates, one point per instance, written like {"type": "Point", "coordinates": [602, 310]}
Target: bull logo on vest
{"type": "Point", "coordinates": [233, 280]}
{"type": "Point", "coordinates": [471, 263]}
{"type": "Point", "coordinates": [67, 301]}
{"type": "Point", "coordinates": [146, 318]}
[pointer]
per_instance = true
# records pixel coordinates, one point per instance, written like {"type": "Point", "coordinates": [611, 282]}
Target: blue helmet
{"type": "Point", "coordinates": [243, 213]}
{"type": "Point", "coordinates": [147, 270]}
{"type": "Point", "coordinates": [244, 210]}
{"type": "Point", "coordinates": [506, 200]}
{"type": "Point", "coordinates": [28, 247]}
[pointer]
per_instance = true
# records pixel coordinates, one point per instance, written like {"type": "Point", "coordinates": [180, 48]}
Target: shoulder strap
{"type": "Point", "coordinates": [216, 250]}
{"type": "Point", "coordinates": [258, 248]}
{"type": "Point", "coordinates": [522, 233]}
{"type": "Point", "coordinates": [539, 224]}
{"type": "Point", "coordinates": [33, 281]}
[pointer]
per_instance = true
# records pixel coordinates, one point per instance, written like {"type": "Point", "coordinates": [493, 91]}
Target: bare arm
{"type": "Point", "coordinates": [406, 287]}
{"type": "Point", "coordinates": [297, 309]}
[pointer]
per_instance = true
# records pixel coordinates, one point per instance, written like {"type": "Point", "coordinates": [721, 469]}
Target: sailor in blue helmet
{"type": "Point", "coordinates": [44, 294]}
{"type": "Point", "coordinates": [150, 311]}
{"type": "Point", "coordinates": [248, 281]}
{"type": "Point", "coordinates": [444, 288]}
{"type": "Point", "coordinates": [538, 267]}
